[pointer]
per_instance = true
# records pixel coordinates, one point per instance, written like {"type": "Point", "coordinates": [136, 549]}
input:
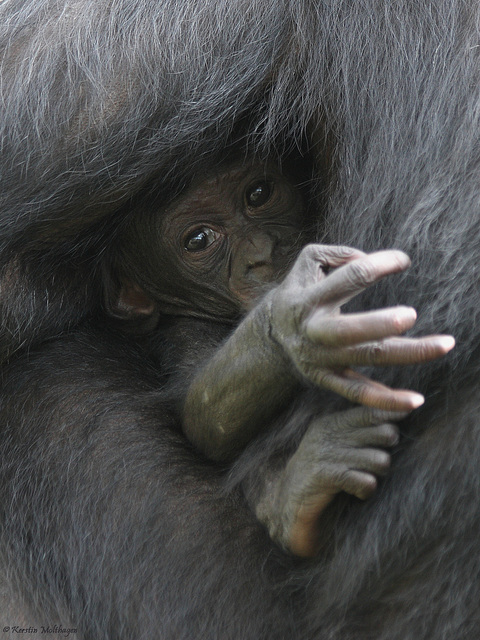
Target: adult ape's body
{"type": "Point", "coordinates": [95, 105]}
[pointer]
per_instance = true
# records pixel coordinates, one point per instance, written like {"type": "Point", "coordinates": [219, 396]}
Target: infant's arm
{"type": "Point", "coordinates": [296, 334]}
{"type": "Point", "coordinates": [239, 390]}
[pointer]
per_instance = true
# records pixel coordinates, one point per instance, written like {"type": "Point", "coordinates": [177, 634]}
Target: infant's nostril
{"type": "Point", "coordinates": [253, 264]}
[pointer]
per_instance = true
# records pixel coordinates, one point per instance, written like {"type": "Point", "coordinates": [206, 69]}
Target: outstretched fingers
{"type": "Point", "coordinates": [361, 390]}
{"type": "Point", "coordinates": [391, 351]}
{"type": "Point", "coordinates": [348, 280]}
{"type": "Point", "coordinates": [351, 328]}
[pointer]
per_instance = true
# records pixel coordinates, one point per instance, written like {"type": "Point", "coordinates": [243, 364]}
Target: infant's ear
{"type": "Point", "coordinates": [133, 301]}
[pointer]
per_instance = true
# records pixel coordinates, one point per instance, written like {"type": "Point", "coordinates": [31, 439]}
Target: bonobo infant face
{"type": "Point", "coordinates": [212, 251]}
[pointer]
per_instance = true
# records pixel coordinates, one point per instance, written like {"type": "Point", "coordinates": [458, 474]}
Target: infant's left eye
{"type": "Point", "coordinates": [258, 193]}
{"type": "Point", "coordinates": [200, 239]}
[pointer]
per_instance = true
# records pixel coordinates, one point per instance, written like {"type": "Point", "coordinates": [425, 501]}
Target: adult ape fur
{"type": "Point", "coordinates": [100, 99]}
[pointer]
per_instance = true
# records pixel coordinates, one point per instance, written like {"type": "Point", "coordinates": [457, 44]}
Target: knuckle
{"type": "Point", "coordinates": [356, 393]}
{"type": "Point", "coordinates": [319, 377]}
{"type": "Point", "coordinates": [372, 353]}
{"type": "Point", "coordinates": [362, 273]}
{"type": "Point", "coordinates": [339, 329]}
{"type": "Point", "coordinates": [361, 420]}
{"type": "Point", "coordinates": [384, 417]}
{"type": "Point", "coordinates": [326, 255]}
{"type": "Point", "coordinates": [344, 479]}
{"type": "Point", "coordinates": [347, 252]}
{"type": "Point", "coordinates": [368, 416]}
{"type": "Point", "coordinates": [354, 419]}
{"type": "Point", "coordinates": [309, 252]}
{"type": "Point", "coordinates": [423, 351]}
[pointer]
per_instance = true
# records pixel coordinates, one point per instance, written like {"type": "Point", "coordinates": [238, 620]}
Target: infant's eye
{"type": "Point", "coordinates": [258, 193]}
{"type": "Point", "coordinates": [200, 239]}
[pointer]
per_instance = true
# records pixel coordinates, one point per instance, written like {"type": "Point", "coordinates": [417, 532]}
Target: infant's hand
{"type": "Point", "coordinates": [323, 343]}
{"type": "Point", "coordinates": [343, 451]}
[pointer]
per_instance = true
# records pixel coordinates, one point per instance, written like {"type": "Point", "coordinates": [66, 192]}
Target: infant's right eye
{"type": "Point", "coordinates": [258, 193]}
{"type": "Point", "coordinates": [200, 239]}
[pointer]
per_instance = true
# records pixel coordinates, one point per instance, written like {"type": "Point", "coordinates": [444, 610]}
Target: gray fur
{"type": "Point", "coordinates": [101, 99]}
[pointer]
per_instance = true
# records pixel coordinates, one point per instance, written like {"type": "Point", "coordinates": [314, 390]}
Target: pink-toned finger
{"type": "Point", "coordinates": [361, 390]}
{"type": "Point", "coordinates": [352, 328]}
{"type": "Point", "coordinates": [350, 279]}
{"type": "Point", "coordinates": [391, 351]}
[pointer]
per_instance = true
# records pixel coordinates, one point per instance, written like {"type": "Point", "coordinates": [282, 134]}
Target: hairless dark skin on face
{"type": "Point", "coordinates": [225, 250]}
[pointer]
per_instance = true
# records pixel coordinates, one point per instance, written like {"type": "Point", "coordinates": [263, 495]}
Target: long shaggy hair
{"type": "Point", "coordinates": [101, 99]}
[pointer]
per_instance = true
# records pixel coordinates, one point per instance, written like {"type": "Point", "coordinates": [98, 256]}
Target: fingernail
{"type": "Point", "coordinates": [403, 257]}
{"type": "Point", "coordinates": [417, 400]}
{"type": "Point", "coordinates": [407, 312]}
{"type": "Point", "coordinates": [447, 342]}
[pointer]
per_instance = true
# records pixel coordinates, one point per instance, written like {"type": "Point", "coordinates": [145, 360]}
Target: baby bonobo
{"type": "Point", "coordinates": [223, 252]}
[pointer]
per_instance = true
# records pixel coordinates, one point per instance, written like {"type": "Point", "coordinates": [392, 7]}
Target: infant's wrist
{"type": "Point", "coordinates": [271, 342]}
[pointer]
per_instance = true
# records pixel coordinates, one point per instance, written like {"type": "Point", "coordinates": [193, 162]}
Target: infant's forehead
{"type": "Point", "coordinates": [223, 179]}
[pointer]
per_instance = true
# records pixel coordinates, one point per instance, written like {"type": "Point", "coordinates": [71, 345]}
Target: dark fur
{"type": "Point", "coordinates": [109, 518]}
